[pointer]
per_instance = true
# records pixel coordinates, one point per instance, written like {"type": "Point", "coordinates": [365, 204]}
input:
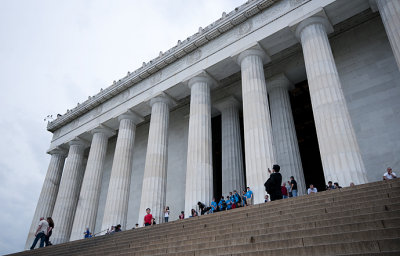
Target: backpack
{"type": "Point", "coordinates": [224, 204]}
{"type": "Point", "coordinates": [238, 198]}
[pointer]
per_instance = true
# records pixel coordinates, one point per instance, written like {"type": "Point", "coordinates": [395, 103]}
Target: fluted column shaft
{"type": "Point", "coordinates": [340, 154]}
{"type": "Point", "coordinates": [155, 171]}
{"type": "Point", "coordinates": [257, 123]}
{"type": "Point", "coordinates": [199, 173]}
{"type": "Point", "coordinates": [390, 14]}
{"type": "Point", "coordinates": [86, 211]}
{"type": "Point", "coordinates": [284, 132]}
{"type": "Point", "coordinates": [232, 158]}
{"type": "Point", "coordinates": [48, 195]}
{"type": "Point", "coordinates": [68, 194]}
{"type": "Point", "coordinates": [116, 208]}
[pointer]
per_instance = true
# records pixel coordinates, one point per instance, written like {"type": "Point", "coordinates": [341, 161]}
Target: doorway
{"type": "Point", "coordinates": [307, 136]}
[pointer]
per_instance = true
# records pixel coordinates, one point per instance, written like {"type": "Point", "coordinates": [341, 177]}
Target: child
{"type": "Point", "coordinates": [148, 219]}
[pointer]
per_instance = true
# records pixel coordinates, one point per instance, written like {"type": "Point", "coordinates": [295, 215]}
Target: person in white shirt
{"type": "Point", "coordinates": [41, 233]}
{"type": "Point", "coordinates": [389, 174]}
{"type": "Point", "coordinates": [166, 214]}
{"type": "Point", "coordinates": [312, 189]}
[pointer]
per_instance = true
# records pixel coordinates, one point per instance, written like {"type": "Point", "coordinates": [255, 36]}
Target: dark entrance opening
{"type": "Point", "coordinates": [307, 136]}
{"type": "Point", "coordinates": [217, 156]}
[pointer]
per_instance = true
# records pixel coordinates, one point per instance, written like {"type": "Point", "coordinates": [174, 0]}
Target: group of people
{"type": "Point", "coordinates": [232, 201]}
{"type": "Point", "coordinates": [43, 232]}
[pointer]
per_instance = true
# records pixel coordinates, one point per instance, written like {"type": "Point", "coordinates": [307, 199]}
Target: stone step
{"type": "Point", "coordinates": [244, 217]}
{"type": "Point", "coordinates": [206, 233]}
{"type": "Point", "coordinates": [358, 220]}
{"type": "Point", "coordinates": [263, 221]}
{"type": "Point", "coordinates": [150, 229]}
{"type": "Point", "coordinates": [119, 243]}
{"type": "Point", "coordinates": [361, 247]}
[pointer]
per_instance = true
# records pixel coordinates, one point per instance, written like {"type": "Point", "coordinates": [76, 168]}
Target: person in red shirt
{"type": "Point", "coordinates": [148, 218]}
{"type": "Point", "coordinates": [284, 191]}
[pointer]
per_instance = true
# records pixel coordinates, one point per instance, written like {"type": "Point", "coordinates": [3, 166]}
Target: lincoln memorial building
{"type": "Point", "coordinates": [311, 85]}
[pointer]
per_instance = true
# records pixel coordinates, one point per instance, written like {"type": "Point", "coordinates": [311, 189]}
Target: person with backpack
{"type": "Point", "coordinates": [273, 184]}
{"type": "Point", "coordinates": [229, 202]}
{"type": "Point", "coordinates": [237, 198]}
{"type": "Point", "coordinates": [222, 204]}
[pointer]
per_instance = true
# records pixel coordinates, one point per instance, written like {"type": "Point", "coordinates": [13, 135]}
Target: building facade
{"type": "Point", "coordinates": [312, 85]}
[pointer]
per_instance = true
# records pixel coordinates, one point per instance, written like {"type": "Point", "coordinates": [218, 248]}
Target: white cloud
{"type": "Point", "coordinates": [57, 53]}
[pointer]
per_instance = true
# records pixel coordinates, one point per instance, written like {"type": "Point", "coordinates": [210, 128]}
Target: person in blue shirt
{"type": "Point", "coordinates": [87, 233]}
{"type": "Point", "coordinates": [249, 197]}
{"type": "Point", "coordinates": [222, 204]}
{"type": "Point", "coordinates": [228, 203]}
{"type": "Point", "coordinates": [213, 206]}
{"type": "Point", "coordinates": [237, 198]}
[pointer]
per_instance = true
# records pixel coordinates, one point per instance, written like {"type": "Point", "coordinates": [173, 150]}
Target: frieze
{"type": "Point", "coordinates": [245, 28]}
{"type": "Point", "coordinates": [193, 57]}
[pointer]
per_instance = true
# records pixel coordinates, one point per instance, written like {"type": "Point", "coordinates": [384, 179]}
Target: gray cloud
{"type": "Point", "coordinates": [57, 53]}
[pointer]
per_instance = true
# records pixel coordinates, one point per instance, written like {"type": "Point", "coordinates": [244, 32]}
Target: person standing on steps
{"type": "Point", "coordinates": [214, 206]}
{"type": "Point", "coordinates": [249, 197]}
{"type": "Point", "coordinates": [49, 231]}
{"type": "Point", "coordinates": [166, 214]}
{"type": "Point", "coordinates": [284, 191]}
{"type": "Point", "coordinates": [293, 185]}
{"type": "Point", "coordinates": [244, 198]}
{"type": "Point", "coordinates": [182, 215]}
{"type": "Point", "coordinates": [148, 218]}
{"type": "Point", "coordinates": [273, 184]}
{"type": "Point", "coordinates": [289, 188]}
{"type": "Point", "coordinates": [40, 233]}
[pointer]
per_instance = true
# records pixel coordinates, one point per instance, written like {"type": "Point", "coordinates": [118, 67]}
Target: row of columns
{"type": "Point", "coordinates": [71, 194]}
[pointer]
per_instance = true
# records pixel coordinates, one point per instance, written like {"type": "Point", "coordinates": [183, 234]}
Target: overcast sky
{"type": "Point", "coordinates": [54, 54]}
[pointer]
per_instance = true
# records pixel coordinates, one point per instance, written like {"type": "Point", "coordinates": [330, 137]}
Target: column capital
{"type": "Point", "coordinates": [317, 16]}
{"type": "Point", "coordinates": [131, 115]}
{"type": "Point", "coordinates": [162, 97]}
{"type": "Point", "coordinates": [202, 76]}
{"type": "Point", "coordinates": [58, 151]}
{"type": "Point", "coordinates": [279, 81]}
{"type": "Point", "coordinates": [255, 50]}
{"type": "Point", "coordinates": [103, 129]}
{"type": "Point", "coordinates": [79, 142]}
{"type": "Point", "coordinates": [224, 103]}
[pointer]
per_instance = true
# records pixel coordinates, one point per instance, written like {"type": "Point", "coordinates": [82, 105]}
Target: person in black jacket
{"type": "Point", "coordinates": [273, 184]}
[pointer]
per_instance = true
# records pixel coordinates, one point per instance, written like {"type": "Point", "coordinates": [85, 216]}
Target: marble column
{"type": "Point", "coordinates": [116, 208]}
{"type": "Point", "coordinates": [284, 132]}
{"type": "Point", "coordinates": [155, 170]}
{"type": "Point", "coordinates": [68, 194]}
{"type": "Point", "coordinates": [257, 122]}
{"type": "Point", "coordinates": [340, 154]}
{"type": "Point", "coordinates": [390, 14]}
{"type": "Point", "coordinates": [49, 192]}
{"type": "Point", "coordinates": [232, 158]}
{"type": "Point", "coordinates": [86, 211]}
{"type": "Point", "coordinates": [199, 172]}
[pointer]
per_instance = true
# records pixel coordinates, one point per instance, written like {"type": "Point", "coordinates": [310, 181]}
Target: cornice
{"type": "Point", "coordinates": [202, 37]}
